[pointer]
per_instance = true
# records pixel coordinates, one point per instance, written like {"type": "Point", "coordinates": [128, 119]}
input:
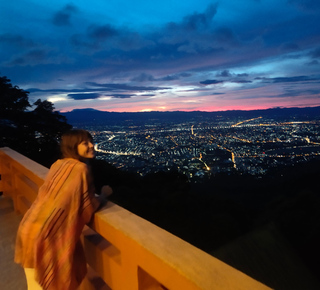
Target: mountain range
{"type": "Point", "coordinates": [92, 116]}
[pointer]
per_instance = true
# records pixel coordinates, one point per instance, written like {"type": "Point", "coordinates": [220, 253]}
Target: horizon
{"type": "Point", "coordinates": [125, 56]}
{"type": "Point", "coordinates": [243, 110]}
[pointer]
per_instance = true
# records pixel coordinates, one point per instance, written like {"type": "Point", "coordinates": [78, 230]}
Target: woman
{"type": "Point", "coordinates": [48, 240]}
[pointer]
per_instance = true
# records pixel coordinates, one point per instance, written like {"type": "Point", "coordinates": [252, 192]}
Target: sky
{"type": "Point", "coordinates": [169, 55]}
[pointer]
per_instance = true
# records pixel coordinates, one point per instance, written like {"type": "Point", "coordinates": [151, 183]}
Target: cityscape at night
{"type": "Point", "coordinates": [201, 148]}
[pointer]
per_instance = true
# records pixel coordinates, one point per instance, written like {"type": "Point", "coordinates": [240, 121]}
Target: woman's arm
{"type": "Point", "coordinates": [106, 191]}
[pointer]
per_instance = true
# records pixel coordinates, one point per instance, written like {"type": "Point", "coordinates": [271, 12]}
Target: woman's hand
{"type": "Point", "coordinates": [106, 191]}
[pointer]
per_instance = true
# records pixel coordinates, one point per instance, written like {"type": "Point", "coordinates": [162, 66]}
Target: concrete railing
{"type": "Point", "coordinates": [124, 251]}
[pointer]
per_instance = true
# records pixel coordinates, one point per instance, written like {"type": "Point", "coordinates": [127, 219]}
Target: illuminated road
{"type": "Point", "coordinates": [96, 148]}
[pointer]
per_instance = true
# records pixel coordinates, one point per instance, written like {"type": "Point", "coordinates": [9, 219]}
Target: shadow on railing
{"type": "Point", "coordinates": [123, 250]}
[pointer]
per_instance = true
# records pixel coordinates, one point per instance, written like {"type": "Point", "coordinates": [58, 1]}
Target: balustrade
{"type": "Point", "coordinates": [125, 251]}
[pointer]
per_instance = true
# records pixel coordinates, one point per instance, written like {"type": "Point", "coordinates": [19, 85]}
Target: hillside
{"type": "Point", "coordinates": [92, 116]}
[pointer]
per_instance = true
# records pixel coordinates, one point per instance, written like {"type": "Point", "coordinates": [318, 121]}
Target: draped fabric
{"type": "Point", "coordinates": [48, 237]}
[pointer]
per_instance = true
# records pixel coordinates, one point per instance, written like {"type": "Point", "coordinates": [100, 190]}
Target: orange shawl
{"type": "Point", "coordinates": [48, 237]}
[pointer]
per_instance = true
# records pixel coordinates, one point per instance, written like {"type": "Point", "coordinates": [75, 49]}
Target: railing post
{"type": "Point", "coordinates": [21, 178]}
{"type": "Point", "coordinates": [7, 179]}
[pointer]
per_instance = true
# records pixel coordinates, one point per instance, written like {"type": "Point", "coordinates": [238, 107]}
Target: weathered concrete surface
{"type": "Point", "coordinates": [11, 275]}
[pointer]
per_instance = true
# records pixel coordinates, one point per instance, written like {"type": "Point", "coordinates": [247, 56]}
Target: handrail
{"type": "Point", "coordinates": [123, 250]}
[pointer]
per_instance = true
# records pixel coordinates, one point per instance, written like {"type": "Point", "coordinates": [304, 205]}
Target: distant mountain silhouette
{"type": "Point", "coordinates": [92, 116]}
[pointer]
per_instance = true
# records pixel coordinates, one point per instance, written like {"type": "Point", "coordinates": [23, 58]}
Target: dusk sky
{"type": "Point", "coordinates": [169, 55]}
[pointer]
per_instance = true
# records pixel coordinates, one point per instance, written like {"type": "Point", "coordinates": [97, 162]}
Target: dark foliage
{"type": "Point", "coordinates": [35, 133]}
{"type": "Point", "coordinates": [217, 211]}
{"type": "Point", "coordinates": [13, 100]}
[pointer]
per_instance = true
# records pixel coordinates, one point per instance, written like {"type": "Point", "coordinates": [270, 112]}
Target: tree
{"type": "Point", "coordinates": [13, 99]}
{"type": "Point", "coordinates": [48, 123]}
{"type": "Point", "coordinates": [32, 133]}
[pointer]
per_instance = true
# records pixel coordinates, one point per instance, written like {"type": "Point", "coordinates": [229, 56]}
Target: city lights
{"type": "Point", "coordinates": [200, 149]}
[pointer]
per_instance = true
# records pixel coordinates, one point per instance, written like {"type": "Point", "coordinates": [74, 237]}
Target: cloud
{"type": "Point", "coordinates": [32, 57]}
{"type": "Point", "coordinates": [224, 73]}
{"type": "Point", "coordinates": [313, 62]}
{"type": "Point", "coordinates": [143, 77]}
{"type": "Point", "coordinates": [315, 53]}
{"type": "Point", "coordinates": [289, 46]}
{"type": "Point", "coordinates": [37, 58]}
{"type": "Point", "coordinates": [185, 74]}
{"type": "Point", "coordinates": [211, 82]}
{"type": "Point", "coordinates": [197, 33]}
{"type": "Point", "coordinates": [228, 74]}
{"type": "Point", "coordinates": [225, 35]}
{"type": "Point", "coordinates": [104, 38]}
{"type": "Point", "coordinates": [215, 82]}
{"type": "Point", "coordinates": [170, 78]}
{"type": "Point", "coordinates": [101, 32]}
{"type": "Point", "coordinates": [206, 46]}
{"type": "Point", "coordinates": [54, 91]}
{"type": "Point", "coordinates": [16, 40]}
{"type": "Point", "coordinates": [62, 17]}
{"type": "Point", "coordinates": [307, 5]}
{"type": "Point", "coordinates": [84, 96]}
{"type": "Point", "coordinates": [241, 81]}
{"type": "Point", "coordinates": [80, 42]}
{"type": "Point", "coordinates": [121, 96]}
{"type": "Point", "coordinates": [293, 79]}
{"type": "Point", "coordinates": [173, 77]}
{"type": "Point", "coordinates": [148, 95]}
{"type": "Point", "coordinates": [243, 75]}
{"type": "Point", "coordinates": [94, 90]}
{"type": "Point", "coordinates": [199, 21]}
{"type": "Point", "coordinates": [297, 92]}
{"type": "Point", "coordinates": [125, 87]}
{"type": "Point", "coordinates": [95, 38]}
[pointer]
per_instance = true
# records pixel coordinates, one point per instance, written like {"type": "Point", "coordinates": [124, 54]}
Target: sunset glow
{"type": "Point", "coordinates": [126, 56]}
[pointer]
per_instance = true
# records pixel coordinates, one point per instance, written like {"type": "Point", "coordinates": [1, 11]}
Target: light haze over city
{"type": "Point", "coordinates": [131, 56]}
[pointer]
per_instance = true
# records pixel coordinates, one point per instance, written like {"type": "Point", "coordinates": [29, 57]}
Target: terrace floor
{"type": "Point", "coordinates": [11, 275]}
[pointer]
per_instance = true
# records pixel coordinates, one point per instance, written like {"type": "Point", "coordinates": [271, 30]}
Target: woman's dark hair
{"type": "Point", "coordinates": [70, 141]}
